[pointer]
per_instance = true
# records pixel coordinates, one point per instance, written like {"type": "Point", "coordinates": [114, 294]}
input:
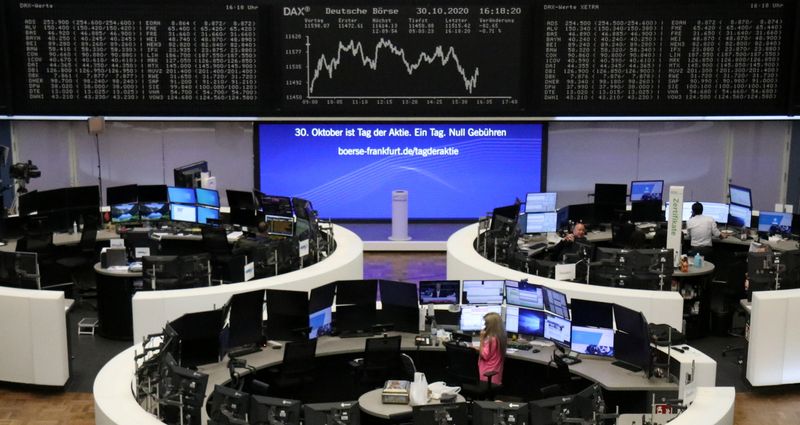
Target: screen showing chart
{"type": "Point", "coordinates": [136, 58]}
{"type": "Point", "coordinates": [557, 329]}
{"type": "Point", "coordinates": [450, 170]}
{"type": "Point", "coordinates": [187, 213]}
{"type": "Point", "coordinates": [446, 57]}
{"type": "Point", "coordinates": [540, 202]}
{"type": "Point", "coordinates": [482, 292]}
{"type": "Point", "coordinates": [541, 222]}
{"type": "Point", "coordinates": [719, 212]}
{"type": "Point", "coordinates": [677, 56]}
{"type": "Point", "coordinates": [524, 294]}
{"type": "Point", "coordinates": [472, 316]}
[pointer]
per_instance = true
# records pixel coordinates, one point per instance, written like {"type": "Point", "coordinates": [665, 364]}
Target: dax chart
{"type": "Point", "coordinates": [444, 59]}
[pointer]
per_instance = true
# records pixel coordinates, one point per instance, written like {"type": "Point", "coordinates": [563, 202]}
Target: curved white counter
{"type": "Point", "coordinates": [152, 309]}
{"type": "Point", "coordinates": [464, 263]}
{"type": "Point", "coordinates": [773, 352]}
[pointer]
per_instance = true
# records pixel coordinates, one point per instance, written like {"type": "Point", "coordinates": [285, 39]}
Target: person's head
{"type": "Point", "coordinates": [494, 327]}
{"type": "Point", "coordinates": [262, 227]}
{"type": "Point", "coordinates": [697, 209]}
{"type": "Point", "coordinates": [579, 230]}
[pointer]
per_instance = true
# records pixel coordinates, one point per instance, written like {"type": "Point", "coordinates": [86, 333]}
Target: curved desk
{"type": "Point", "coordinates": [60, 239]}
{"type": "Point", "coordinates": [705, 269]}
{"type": "Point", "coordinates": [115, 403]}
{"type": "Point", "coordinates": [114, 293]}
{"type": "Point", "coordinates": [464, 263]}
{"type": "Point", "coordinates": [370, 403]}
{"type": "Point", "coordinates": [152, 309]}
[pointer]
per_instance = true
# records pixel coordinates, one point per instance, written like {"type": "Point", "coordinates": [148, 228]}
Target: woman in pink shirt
{"type": "Point", "coordinates": [492, 348]}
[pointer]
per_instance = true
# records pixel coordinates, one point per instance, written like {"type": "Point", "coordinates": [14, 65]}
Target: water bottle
{"type": "Point", "coordinates": [698, 261]}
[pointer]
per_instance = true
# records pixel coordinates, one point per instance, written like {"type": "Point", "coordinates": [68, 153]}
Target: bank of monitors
{"type": "Point", "coordinates": [775, 223]}
{"type": "Point", "coordinates": [125, 213]}
{"type": "Point", "coordinates": [715, 210]}
{"type": "Point", "coordinates": [524, 321]}
{"type": "Point", "coordinates": [339, 413]}
{"type": "Point", "coordinates": [558, 330]}
{"type": "Point", "coordinates": [556, 302]}
{"type": "Point", "coordinates": [482, 292]}
{"type": "Point", "coordinates": [541, 222]}
{"type": "Point", "coordinates": [647, 190]}
{"type": "Point", "coordinates": [540, 202]}
{"type": "Point", "coordinates": [593, 341]}
{"type": "Point", "coordinates": [740, 196]}
{"type": "Point", "coordinates": [439, 292]}
{"type": "Point", "coordinates": [440, 414]}
{"type": "Point", "coordinates": [499, 413]}
{"type": "Point", "coordinates": [472, 316]}
{"type": "Point", "coordinates": [274, 411]}
{"type": "Point", "coordinates": [739, 216]}
{"type": "Point", "coordinates": [524, 294]}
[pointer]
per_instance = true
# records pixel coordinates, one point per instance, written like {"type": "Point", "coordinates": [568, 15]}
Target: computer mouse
{"type": "Point", "coordinates": [535, 350]}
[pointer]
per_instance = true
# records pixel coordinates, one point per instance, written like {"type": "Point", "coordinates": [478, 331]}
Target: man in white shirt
{"type": "Point", "coordinates": [701, 228]}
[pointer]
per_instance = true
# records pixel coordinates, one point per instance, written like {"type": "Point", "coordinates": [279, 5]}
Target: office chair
{"type": "Point", "coordinates": [381, 361]}
{"type": "Point", "coordinates": [565, 382]}
{"type": "Point", "coordinates": [462, 369]}
{"type": "Point", "coordinates": [297, 368]}
{"type": "Point", "coordinates": [215, 242]}
{"type": "Point", "coordinates": [80, 262]}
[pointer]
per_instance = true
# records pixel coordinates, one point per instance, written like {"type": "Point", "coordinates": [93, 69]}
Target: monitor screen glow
{"type": "Point", "coordinates": [775, 222]}
{"type": "Point", "coordinates": [593, 341]}
{"type": "Point", "coordinates": [187, 213]}
{"type": "Point", "coordinates": [650, 190]}
{"type": "Point", "coordinates": [719, 212]}
{"type": "Point", "coordinates": [439, 292]}
{"type": "Point", "coordinates": [207, 197]}
{"type": "Point", "coordinates": [524, 295]}
{"type": "Point", "coordinates": [125, 213]}
{"type": "Point", "coordinates": [557, 329]}
{"type": "Point", "coordinates": [739, 216]}
{"type": "Point", "coordinates": [540, 202]}
{"type": "Point", "coordinates": [204, 213]}
{"type": "Point", "coordinates": [556, 302]}
{"type": "Point", "coordinates": [482, 292]}
{"type": "Point", "coordinates": [181, 195]}
{"type": "Point", "coordinates": [320, 323]}
{"type": "Point", "coordinates": [472, 316]}
{"type": "Point", "coordinates": [541, 222]}
{"type": "Point", "coordinates": [154, 211]}
{"type": "Point", "coordinates": [741, 196]}
{"type": "Point", "coordinates": [524, 321]}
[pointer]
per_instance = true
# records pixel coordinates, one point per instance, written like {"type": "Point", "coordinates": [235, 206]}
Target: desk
{"type": "Point", "coordinates": [706, 269]}
{"type": "Point", "coordinates": [464, 263]}
{"type": "Point", "coordinates": [371, 404]}
{"type": "Point", "coordinates": [781, 245]}
{"type": "Point", "coordinates": [115, 290]}
{"type": "Point", "coordinates": [773, 349]}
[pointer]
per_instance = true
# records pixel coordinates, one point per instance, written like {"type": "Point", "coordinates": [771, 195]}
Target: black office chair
{"type": "Point", "coordinates": [297, 368]}
{"type": "Point", "coordinates": [462, 370]}
{"type": "Point", "coordinates": [565, 382]}
{"type": "Point", "coordinates": [382, 360]}
{"type": "Point", "coordinates": [215, 242]}
{"type": "Point", "coordinates": [80, 263]}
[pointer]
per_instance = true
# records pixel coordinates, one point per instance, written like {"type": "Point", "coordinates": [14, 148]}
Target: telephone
{"type": "Point", "coordinates": [421, 340]}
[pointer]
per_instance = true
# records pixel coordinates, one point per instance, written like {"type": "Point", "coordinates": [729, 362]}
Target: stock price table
{"type": "Point", "coordinates": [664, 57]}
{"type": "Point", "coordinates": [447, 59]}
{"type": "Point", "coordinates": [135, 58]}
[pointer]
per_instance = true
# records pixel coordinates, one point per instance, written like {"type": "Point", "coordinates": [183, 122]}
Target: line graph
{"type": "Point", "coordinates": [356, 49]}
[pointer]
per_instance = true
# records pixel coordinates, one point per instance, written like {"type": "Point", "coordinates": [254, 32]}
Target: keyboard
{"type": "Point", "coordinates": [522, 346]}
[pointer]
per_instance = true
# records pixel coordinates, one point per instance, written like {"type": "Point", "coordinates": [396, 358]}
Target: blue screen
{"type": "Point", "coordinates": [449, 170]}
{"type": "Point", "coordinates": [181, 195]}
{"type": "Point", "coordinates": [204, 213]}
{"type": "Point", "coordinates": [207, 197]}
{"type": "Point", "coordinates": [739, 216]}
{"type": "Point", "coordinates": [775, 222]}
{"type": "Point", "coordinates": [647, 190]}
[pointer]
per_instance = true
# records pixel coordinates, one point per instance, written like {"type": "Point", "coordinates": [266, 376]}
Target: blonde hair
{"type": "Point", "coordinates": [495, 328]}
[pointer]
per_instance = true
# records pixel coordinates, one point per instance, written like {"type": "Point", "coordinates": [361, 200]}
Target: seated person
{"type": "Point", "coordinates": [568, 244]}
{"type": "Point", "coordinates": [701, 228]}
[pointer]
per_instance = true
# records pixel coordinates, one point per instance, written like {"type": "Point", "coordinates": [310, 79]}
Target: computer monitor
{"type": "Point", "coordinates": [524, 321]}
{"type": "Point", "coordinates": [581, 213]}
{"type": "Point", "coordinates": [226, 404]}
{"type": "Point", "coordinates": [274, 411]}
{"type": "Point", "coordinates": [125, 213]}
{"type": "Point", "coordinates": [198, 334]}
{"type": "Point", "coordinates": [204, 214]}
{"type": "Point", "coordinates": [741, 196]}
{"type": "Point", "coordinates": [642, 211]}
{"type": "Point", "coordinates": [154, 211]}
{"type": "Point", "coordinates": [83, 197]}
{"type": "Point", "coordinates": [540, 202]}
{"type": "Point", "coordinates": [279, 226]}
{"type": "Point", "coordinates": [739, 216]}
{"type": "Point", "coordinates": [245, 312]}
{"type": "Point", "coordinates": [19, 270]}
{"type": "Point", "coordinates": [28, 203]}
{"type": "Point", "coordinates": [339, 413]}
{"type": "Point", "coordinates": [181, 195]}
{"type": "Point", "coordinates": [440, 414]}
{"type": "Point", "coordinates": [440, 292]}
{"type": "Point", "coordinates": [207, 197]}
{"type": "Point", "coordinates": [592, 313]}
{"type": "Point", "coordinates": [593, 341]}
{"type": "Point", "coordinates": [355, 318]}
{"type": "Point", "coordinates": [280, 206]}
{"type": "Point", "coordinates": [541, 222]}
{"type": "Point", "coordinates": [482, 292]}
{"type": "Point", "coordinates": [556, 302]}
{"type": "Point", "coordinates": [524, 294]}
{"type": "Point", "coordinates": [472, 316]}
{"type": "Point", "coordinates": [238, 199]}
{"type": "Point", "coordinates": [356, 292]}
{"type": "Point", "coordinates": [190, 385]}
{"type": "Point", "coordinates": [152, 193]}
{"type": "Point", "coordinates": [189, 175]}
{"type": "Point", "coordinates": [558, 330]}
{"type": "Point", "coordinates": [647, 190]}
{"type": "Point", "coordinates": [185, 213]}
{"type": "Point", "coordinates": [775, 223]}
{"type": "Point", "coordinates": [632, 352]}
{"type": "Point", "coordinates": [321, 297]}
{"type": "Point", "coordinates": [127, 194]}
{"type": "Point", "coordinates": [505, 218]}
{"type": "Point", "coordinates": [287, 314]}
{"type": "Point", "coordinates": [719, 212]}
{"type": "Point", "coordinates": [320, 322]}
{"type": "Point", "coordinates": [499, 413]}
